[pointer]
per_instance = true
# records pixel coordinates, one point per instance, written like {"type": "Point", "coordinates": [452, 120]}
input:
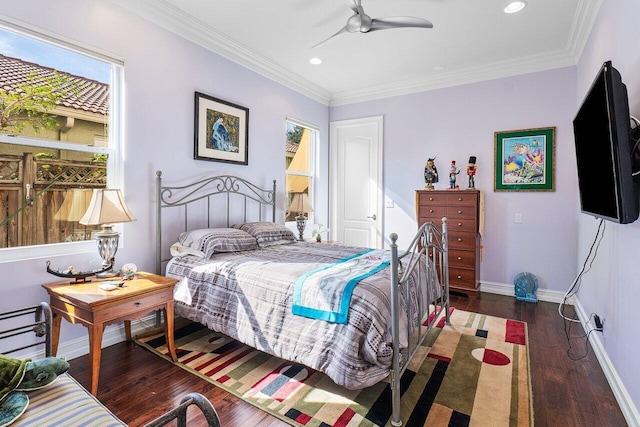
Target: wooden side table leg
{"type": "Point", "coordinates": [168, 330]}
{"type": "Point", "coordinates": [55, 333]}
{"type": "Point", "coordinates": [127, 330]}
{"type": "Point", "coordinates": [95, 353]}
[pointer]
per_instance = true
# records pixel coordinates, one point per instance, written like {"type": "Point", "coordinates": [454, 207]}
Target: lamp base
{"type": "Point", "coordinates": [301, 223]}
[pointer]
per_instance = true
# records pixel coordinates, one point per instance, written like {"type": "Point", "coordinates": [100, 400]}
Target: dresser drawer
{"type": "Point", "coordinates": [428, 198]}
{"type": "Point", "coordinates": [462, 198]}
{"type": "Point", "coordinates": [463, 259]}
{"type": "Point", "coordinates": [454, 212]}
{"type": "Point", "coordinates": [461, 277]}
{"type": "Point", "coordinates": [462, 224]}
{"type": "Point", "coordinates": [432, 211]}
{"type": "Point", "coordinates": [462, 240]}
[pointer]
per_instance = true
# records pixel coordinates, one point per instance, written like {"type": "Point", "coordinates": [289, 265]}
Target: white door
{"type": "Point", "coordinates": [355, 171]}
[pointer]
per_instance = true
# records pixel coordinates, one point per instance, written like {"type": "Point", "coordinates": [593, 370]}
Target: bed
{"type": "Point", "coordinates": [242, 274]}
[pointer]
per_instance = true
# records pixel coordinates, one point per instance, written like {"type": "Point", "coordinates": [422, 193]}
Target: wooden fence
{"type": "Point", "coordinates": [32, 191]}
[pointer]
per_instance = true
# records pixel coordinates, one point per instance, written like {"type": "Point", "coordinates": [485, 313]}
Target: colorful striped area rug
{"type": "Point", "coordinates": [472, 372]}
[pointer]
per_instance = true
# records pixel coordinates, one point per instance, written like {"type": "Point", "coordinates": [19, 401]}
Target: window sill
{"type": "Point", "coordinates": [42, 251]}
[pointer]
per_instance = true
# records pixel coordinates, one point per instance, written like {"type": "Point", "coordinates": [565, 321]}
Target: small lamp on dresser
{"type": "Point", "coordinates": [300, 203]}
{"type": "Point", "coordinates": [106, 208]}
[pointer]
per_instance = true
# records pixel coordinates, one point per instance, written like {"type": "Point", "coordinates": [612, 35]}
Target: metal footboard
{"type": "Point", "coordinates": [179, 413]}
{"type": "Point", "coordinates": [428, 246]}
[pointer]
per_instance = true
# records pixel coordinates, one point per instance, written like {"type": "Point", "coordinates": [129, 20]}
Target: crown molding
{"type": "Point", "coordinates": [194, 30]}
{"type": "Point", "coordinates": [173, 19]}
{"type": "Point", "coordinates": [497, 70]}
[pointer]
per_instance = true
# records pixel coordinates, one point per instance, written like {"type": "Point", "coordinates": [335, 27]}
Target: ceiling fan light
{"type": "Point", "coordinates": [515, 6]}
{"type": "Point", "coordinates": [315, 61]}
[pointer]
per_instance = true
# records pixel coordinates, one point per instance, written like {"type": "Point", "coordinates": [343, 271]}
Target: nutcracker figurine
{"type": "Point", "coordinates": [453, 171]}
{"type": "Point", "coordinates": [471, 172]}
{"type": "Point", "coordinates": [430, 174]}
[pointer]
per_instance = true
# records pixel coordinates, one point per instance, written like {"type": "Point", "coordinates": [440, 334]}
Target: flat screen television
{"type": "Point", "coordinates": [605, 149]}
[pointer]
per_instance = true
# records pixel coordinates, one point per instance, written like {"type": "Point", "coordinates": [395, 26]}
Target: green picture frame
{"type": "Point", "coordinates": [525, 160]}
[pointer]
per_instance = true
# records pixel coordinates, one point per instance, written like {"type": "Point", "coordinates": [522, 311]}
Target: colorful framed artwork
{"type": "Point", "coordinates": [524, 160]}
{"type": "Point", "coordinates": [221, 131]}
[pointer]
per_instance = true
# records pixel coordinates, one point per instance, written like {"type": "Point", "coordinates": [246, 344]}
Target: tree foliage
{"type": "Point", "coordinates": [30, 102]}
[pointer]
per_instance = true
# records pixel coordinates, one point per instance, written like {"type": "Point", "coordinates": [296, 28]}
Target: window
{"type": "Point", "coordinates": [59, 127]}
{"type": "Point", "coordinates": [300, 163]}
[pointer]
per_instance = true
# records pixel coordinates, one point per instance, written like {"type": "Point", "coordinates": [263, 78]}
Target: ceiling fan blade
{"type": "Point", "coordinates": [354, 4]}
{"type": "Point", "coordinates": [399, 22]}
{"type": "Point", "coordinates": [342, 30]}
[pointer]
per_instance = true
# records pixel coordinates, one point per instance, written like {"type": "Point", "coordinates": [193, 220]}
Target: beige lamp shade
{"type": "Point", "coordinates": [300, 203]}
{"type": "Point", "coordinates": [107, 207]}
{"type": "Point", "coordinates": [75, 204]}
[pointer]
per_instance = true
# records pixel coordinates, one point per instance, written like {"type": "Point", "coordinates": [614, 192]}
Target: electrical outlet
{"type": "Point", "coordinates": [599, 322]}
{"type": "Point", "coordinates": [518, 218]}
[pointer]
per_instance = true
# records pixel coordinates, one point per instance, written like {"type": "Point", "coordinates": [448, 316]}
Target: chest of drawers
{"type": "Point", "coordinates": [462, 209]}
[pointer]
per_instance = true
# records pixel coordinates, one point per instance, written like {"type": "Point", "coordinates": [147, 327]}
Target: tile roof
{"type": "Point", "coordinates": [292, 147]}
{"type": "Point", "coordinates": [93, 96]}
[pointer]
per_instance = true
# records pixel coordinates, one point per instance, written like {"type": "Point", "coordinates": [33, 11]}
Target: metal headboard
{"type": "Point", "coordinates": [206, 189]}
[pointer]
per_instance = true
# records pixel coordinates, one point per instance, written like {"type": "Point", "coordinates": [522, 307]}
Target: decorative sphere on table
{"type": "Point", "coordinates": [526, 285]}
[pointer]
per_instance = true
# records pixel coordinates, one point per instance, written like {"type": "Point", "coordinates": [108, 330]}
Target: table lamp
{"type": "Point", "coordinates": [106, 208]}
{"type": "Point", "coordinates": [75, 204]}
{"type": "Point", "coordinates": [300, 204]}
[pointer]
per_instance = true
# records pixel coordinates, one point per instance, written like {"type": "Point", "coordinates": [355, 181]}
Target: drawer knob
{"type": "Point", "coordinates": [459, 277]}
{"type": "Point", "coordinates": [431, 199]}
{"type": "Point", "coordinates": [459, 258]}
{"type": "Point", "coordinates": [430, 210]}
{"type": "Point", "coordinates": [459, 212]}
{"type": "Point", "coordinates": [459, 199]}
{"type": "Point", "coordinates": [459, 224]}
{"type": "Point", "coordinates": [137, 304]}
{"type": "Point", "coordinates": [459, 239]}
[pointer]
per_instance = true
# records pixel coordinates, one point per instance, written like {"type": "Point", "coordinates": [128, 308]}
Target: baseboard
{"type": "Point", "coordinates": [627, 406]}
{"type": "Point", "coordinates": [112, 335]}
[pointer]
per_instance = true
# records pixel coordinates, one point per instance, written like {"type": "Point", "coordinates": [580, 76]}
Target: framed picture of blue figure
{"type": "Point", "coordinates": [221, 130]}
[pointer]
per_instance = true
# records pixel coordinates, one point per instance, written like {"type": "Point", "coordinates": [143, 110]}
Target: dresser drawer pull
{"type": "Point", "coordinates": [459, 258]}
{"type": "Point", "coordinates": [459, 199]}
{"type": "Point", "coordinates": [431, 199]}
{"type": "Point", "coordinates": [431, 210]}
{"type": "Point", "coordinates": [460, 212]}
{"type": "Point", "coordinates": [459, 239]}
{"type": "Point", "coordinates": [459, 277]}
{"type": "Point", "coordinates": [459, 224]}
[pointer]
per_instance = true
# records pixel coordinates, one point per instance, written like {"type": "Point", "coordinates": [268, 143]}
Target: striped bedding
{"type": "Point", "coordinates": [248, 296]}
{"type": "Point", "coordinates": [65, 403]}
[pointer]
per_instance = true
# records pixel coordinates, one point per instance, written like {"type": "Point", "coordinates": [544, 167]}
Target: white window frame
{"type": "Point", "coordinates": [115, 149]}
{"type": "Point", "coordinates": [313, 166]}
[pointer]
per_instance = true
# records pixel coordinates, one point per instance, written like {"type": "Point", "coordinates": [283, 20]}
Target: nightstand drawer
{"type": "Point", "coordinates": [142, 304]}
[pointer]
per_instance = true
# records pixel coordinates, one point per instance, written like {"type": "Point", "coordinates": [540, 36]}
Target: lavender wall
{"type": "Point", "coordinates": [612, 287]}
{"type": "Point", "coordinates": [162, 72]}
{"type": "Point", "coordinates": [457, 122]}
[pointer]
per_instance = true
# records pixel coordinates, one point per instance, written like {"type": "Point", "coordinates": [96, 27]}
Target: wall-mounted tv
{"type": "Point", "coordinates": [605, 149]}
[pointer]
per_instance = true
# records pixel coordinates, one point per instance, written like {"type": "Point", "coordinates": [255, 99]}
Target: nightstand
{"type": "Point", "coordinates": [87, 304]}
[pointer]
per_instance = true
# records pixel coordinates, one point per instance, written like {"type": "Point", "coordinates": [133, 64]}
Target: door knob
{"type": "Point", "coordinates": [373, 217]}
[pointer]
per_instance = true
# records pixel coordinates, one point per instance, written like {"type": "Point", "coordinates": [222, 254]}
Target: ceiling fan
{"type": "Point", "coordinates": [363, 23]}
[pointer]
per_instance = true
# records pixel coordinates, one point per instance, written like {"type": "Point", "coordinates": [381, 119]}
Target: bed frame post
{"type": "Point", "coordinates": [445, 265]}
{"type": "Point", "coordinates": [158, 223]}
{"type": "Point", "coordinates": [273, 219]}
{"type": "Point", "coordinates": [395, 332]}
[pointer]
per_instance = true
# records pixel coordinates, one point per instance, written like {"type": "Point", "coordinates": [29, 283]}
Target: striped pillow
{"type": "Point", "coordinates": [267, 233]}
{"type": "Point", "coordinates": [217, 240]}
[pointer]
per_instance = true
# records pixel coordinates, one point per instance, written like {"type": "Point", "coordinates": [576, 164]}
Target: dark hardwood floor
{"type": "Point", "coordinates": [138, 386]}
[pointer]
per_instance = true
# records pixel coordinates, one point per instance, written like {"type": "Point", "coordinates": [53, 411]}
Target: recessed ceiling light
{"type": "Point", "coordinates": [315, 61]}
{"type": "Point", "coordinates": [439, 68]}
{"type": "Point", "coordinates": [515, 6]}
